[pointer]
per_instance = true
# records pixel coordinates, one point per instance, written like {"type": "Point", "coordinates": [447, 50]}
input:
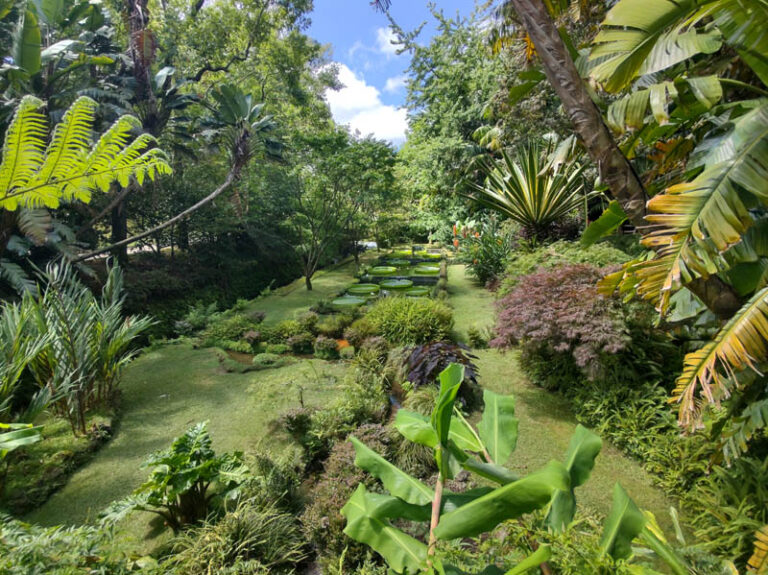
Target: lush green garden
{"type": "Point", "coordinates": [237, 337]}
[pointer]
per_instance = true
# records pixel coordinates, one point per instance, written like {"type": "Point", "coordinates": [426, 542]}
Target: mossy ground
{"type": "Point", "coordinates": [171, 387]}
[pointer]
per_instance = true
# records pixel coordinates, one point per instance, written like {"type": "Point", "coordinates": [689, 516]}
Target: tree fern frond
{"type": "Point", "coordinates": [741, 343]}
{"type": "Point", "coordinates": [35, 224]}
{"type": "Point", "coordinates": [759, 560]}
{"type": "Point", "coordinates": [23, 149]}
{"type": "Point", "coordinates": [16, 277]}
{"type": "Point", "coordinates": [70, 143]}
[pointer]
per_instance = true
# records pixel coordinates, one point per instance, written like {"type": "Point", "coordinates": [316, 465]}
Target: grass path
{"type": "Point", "coordinates": [546, 420]}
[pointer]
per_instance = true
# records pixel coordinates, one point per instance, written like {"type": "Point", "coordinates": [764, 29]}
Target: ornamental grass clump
{"type": "Point", "coordinates": [402, 320]}
{"type": "Point", "coordinates": [562, 325]}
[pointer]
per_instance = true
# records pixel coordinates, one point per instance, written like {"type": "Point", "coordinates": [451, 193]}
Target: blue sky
{"type": "Point", "coordinates": [369, 68]}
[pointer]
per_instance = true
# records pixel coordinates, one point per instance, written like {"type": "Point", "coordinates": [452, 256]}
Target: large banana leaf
{"type": "Point", "coordinates": [417, 428]}
{"type": "Point", "coordinates": [16, 435]}
{"type": "Point", "coordinates": [451, 379]}
{"type": "Point", "coordinates": [541, 555]}
{"type": "Point", "coordinates": [743, 25]}
{"type": "Point", "coordinates": [367, 523]}
{"type": "Point", "coordinates": [399, 483]}
{"type": "Point", "coordinates": [507, 502]}
{"type": "Point", "coordinates": [579, 461]}
{"type": "Point", "coordinates": [606, 224]}
{"type": "Point", "coordinates": [624, 523]}
{"type": "Point", "coordinates": [498, 426]}
{"type": "Point", "coordinates": [740, 343]}
{"type": "Point", "coordinates": [27, 43]}
{"type": "Point", "coordinates": [645, 36]}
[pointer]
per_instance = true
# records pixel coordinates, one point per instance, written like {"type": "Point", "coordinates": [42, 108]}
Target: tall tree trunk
{"type": "Point", "coordinates": [120, 233]}
{"type": "Point", "coordinates": [308, 280]}
{"type": "Point", "coordinates": [614, 168]}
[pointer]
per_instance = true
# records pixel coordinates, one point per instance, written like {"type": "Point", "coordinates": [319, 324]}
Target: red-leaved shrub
{"type": "Point", "coordinates": [557, 314]}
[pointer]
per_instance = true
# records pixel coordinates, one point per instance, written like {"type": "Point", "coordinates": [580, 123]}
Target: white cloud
{"type": "Point", "coordinates": [395, 84]}
{"type": "Point", "coordinates": [359, 105]}
{"type": "Point", "coordinates": [384, 39]}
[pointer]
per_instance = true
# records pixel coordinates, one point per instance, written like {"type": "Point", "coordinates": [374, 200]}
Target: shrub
{"type": "Point", "coordinates": [238, 346]}
{"type": "Point", "coordinates": [376, 347]}
{"type": "Point", "coordinates": [302, 343]}
{"type": "Point", "coordinates": [197, 318]}
{"type": "Point", "coordinates": [326, 348]}
{"type": "Point", "coordinates": [227, 328]}
{"type": "Point", "coordinates": [333, 326]}
{"type": "Point", "coordinates": [347, 352]}
{"type": "Point", "coordinates": [486, 254]}
{"type": "Point", "coordinates": [478, 338]}
{"type": "Point", "coordinates": [178, 487]}
{"type": "Point", "coordinates": [286, 329]}
{"type": "Point", "coordinates": [308, 321]}
{"type": "Point", "coordinates": [425, 362]}
{"type": "Point", "coordinates": [249, 539]}
{"type": "Point", "coordinates": [411, 320]}
{"type": "Point", "coordinates": [278, 348]}
{"type": "Point", "coordinates": [522, 263]}
{"type": "Point", "coordinates": [559, 314]}
{"type": "Point", "coordinates": [359, 331]}
{"type": "Point", "coordinates": [268, 360]}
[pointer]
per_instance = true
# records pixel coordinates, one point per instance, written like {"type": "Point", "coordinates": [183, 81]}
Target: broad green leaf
{"type": "Point", "coordinates": [579, 461]}
{"type": "Point", "coordinates": [507, 502]}
{"type": "Point", "coordinates": [606, 224]}
{"type": "Point", "coordinates": [495, 473]}
{"type": "Point", "coordinates": [18, 435]}
{"type": "Point", "coordinates": [653, 537]}
{"type": "Point", "coordinates": [624, 523]}
{"type": "Point", "coordinates": [450, 381]}
{"type": "Point", "coordinates": [743, 26]}
{"type": "Point", "coordinates": [541, 555]}
{"type": "Point", "coordinates": [498, 426]}
{"type": "Point", "coordinates": [367, 524]}
{"type": "Point", "coordinates": [27, 43]}
{"type": "Point", "coordinates": [462, 434]}
{"type": "Point", "coordinates": [398, 482]}
{"type": "Point", "coordinates": [417, 428]}
{"type": "Point", "coordinates": [452, 501]}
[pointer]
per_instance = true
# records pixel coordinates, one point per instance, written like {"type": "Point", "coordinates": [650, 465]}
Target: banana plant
{"type": "Point", "coordinates": [483, 451]}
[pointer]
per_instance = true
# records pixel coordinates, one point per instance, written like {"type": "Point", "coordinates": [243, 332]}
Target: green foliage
{"type": "Point", "coordinates": [71, 167]}
{"type": "Point", "coordinates": [333, 326]}
{"type": "Point", "coordinates": [26, 548]}
{"type": "Point", "coordinates": [302, 343]}
{"type": "Point", "coordinates": [178, 487]}
{"type": "Point", "coordinates": [360, 330]}
{"type": "Point", "coordinates": [268, 360]}
{"type": "Point", "coordinates": [326, 348]}
{"type": "Point", "coordinates": [486, 254]}
{"type": "Point", "coordinates": [411, 320]}
{"type": "Point", "coordinates": [225, 327]}
{"type": "Point", "coordinates": [251, 538]}
{"type": "Point", "coordinates": [523, 262]}
{"type": "Point", "coordinates": [278, 348]}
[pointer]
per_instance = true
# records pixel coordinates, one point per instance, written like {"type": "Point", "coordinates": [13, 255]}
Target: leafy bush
{"type": "Point", "coordinates": [326, 348]}
{"type": "Point", "coordinates": [308, 321]}
{"type": "Point", "coordinates": [197, 318]}
{"type": "Point", "coordinates": [375, 347]}
{"type": "Point", "coordinates": [278, 348]}
{"type": "Point", "coordinates": [359, 331]}
{"type": "Point", "coordinates": [558, 314]}
{"type": "Point", "coordinates": [27, 549]}
{"type": "Point", "coordinates": [411, 320]}
{"type": "Point", "coordinates": [347, 352]}
{"type": "Point", "coordinates": [334, 325]}
{"type": "Point", "coordinates": [478, 338]}
{"type": "Point", "coordinates": [285, 329]}
{"type": "Point", "coordinates": [238, 346]}
{"type": "Point", "coordinates": [249, 539]}
{"type": "Point", "coordinates": [178, 487]}
{"type": "Point", "coordinates": [268, 360]}
{"type": "Point", "coordinates": [230, 328]}
{"type": "Point", "coordinates": [486, 254]}
{"type": "Point", "coordinates": [425, 362]}
{"type": "Point", "coordinates": [302, 343]}
{"type": "Point", "coordinates": [524, 262]}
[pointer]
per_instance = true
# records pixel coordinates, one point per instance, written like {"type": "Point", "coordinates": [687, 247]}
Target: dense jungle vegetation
{"type": "Point", "coordinates": [238, 337]}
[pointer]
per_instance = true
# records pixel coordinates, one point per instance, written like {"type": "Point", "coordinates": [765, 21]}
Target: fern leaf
{"type": "Point", "coordinates": [759, 560]}
{"type": "Point", "coordinates": [35, 225]}
{"type": "Point", "coordinates": [741, 343]}
{"type": "Point", "coordinates": [743, 428]}
{"type": "Point", "coordinates": [23, 150]}
{"type": "Point", "coordinates": [16, 277]}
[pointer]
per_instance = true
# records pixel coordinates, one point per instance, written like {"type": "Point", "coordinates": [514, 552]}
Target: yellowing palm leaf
{"type": "Point", "coordinates": [740, 344]}
{"type": "Point", "coordinates": [71, 167]}
{"type": "Point", "coordinates": [759, 560]}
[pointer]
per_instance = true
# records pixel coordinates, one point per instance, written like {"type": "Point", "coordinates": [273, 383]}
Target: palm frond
{"type": "Point", "coordinates": [759, 560]}
{"type": "Point", "coordinates": [641, 37]}
{"type": "Point", "coordinates": [740, 344]}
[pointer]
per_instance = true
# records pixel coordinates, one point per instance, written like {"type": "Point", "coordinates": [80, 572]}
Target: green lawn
{"type": "Point", "coordinates": [472, 305]}
{"type": "Point", "coordinates": [166, 391]}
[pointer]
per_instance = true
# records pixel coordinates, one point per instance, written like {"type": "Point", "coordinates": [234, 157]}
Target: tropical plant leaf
{"type": "Point", "coordinates": [27, 43]}
{"type": "Point", "coordinates": [16, 277]}
{"type": "Point", "coordinates": [580, 459]}
{"type": "Point", "coordinates": [397, 482]}
{"type": "Point", "coordinates": [610, 220]}
{"type": "Point", "coordinates": [367, 523]}
{"type": "Point", "coordinates": [641, 37]}
{"type": "Point", "coordinates": [498, 426]}
{"type": "Point", "coordinates": [16, 435]}
{"type": "Point", "coordinates": [759, 560]}
{"type": "Point", "coordinates": [653, 537]}
{"type": "Point", "coordinates": [451, 379]}
{"type": "Point", "coordinates": [417, 428]}
{"type": "Point", "coordinates": [507, 502]}
{"type": "Point", "coordinates": [624, 523]}
{"type": "Point", "coordinates": [491, 471]}
{"type": "Point", "coordinates": [741, 343]}
{"type": "Point", "coordinates": [541, 555]}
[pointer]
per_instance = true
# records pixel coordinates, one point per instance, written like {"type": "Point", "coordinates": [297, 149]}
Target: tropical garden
{"type": "Point", "coordinates": [239, 337]}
